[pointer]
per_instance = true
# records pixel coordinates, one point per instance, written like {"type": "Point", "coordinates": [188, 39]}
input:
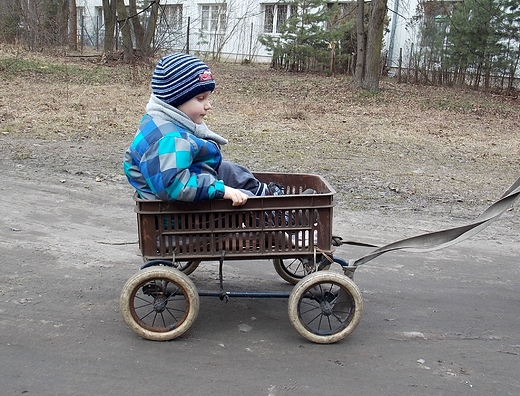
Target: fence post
{"type": "Point", "coordinates": [400, 67]}
{"type": "Point", "coordinates": [188, 36]}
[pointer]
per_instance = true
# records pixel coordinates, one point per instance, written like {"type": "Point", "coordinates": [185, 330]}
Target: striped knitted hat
{"type": "Point", "coordinates": [180, 77]}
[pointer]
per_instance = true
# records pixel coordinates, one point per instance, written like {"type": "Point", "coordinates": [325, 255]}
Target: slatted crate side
{"type": "Point", "coordinates": [281, 226]}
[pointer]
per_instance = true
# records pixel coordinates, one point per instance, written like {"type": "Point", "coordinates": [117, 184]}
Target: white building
{"type": "Point", "coordinates": [231, 27]}
{"type": "Point", "coordinates": [401, 33]}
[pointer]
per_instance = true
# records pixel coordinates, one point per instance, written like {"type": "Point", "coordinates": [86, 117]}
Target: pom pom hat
{"type": "Point", "coordinates": [180, 77]}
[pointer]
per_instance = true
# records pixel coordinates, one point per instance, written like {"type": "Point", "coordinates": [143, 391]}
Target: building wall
{"type": "Point", "coordinates": [240, 41]}
{"type": "Point", "coordinates": [401, 35]}
{"type": "Point", "coordinates": [245, 25]}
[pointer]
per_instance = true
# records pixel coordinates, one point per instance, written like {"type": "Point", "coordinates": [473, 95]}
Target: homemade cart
{"type": "Point", "coordinates": [161, 302]}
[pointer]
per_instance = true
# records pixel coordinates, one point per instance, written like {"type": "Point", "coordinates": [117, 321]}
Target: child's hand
{"type": "Point", "coordinates": [237, 196]}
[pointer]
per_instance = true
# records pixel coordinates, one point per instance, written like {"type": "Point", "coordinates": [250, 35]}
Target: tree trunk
{"type": "Point", "coordinates": [374, 45]}
{"type": "Point", "coordinates": [109, 12]}
{"type": "Point", "coordinates": [143, 38]}
{"type": "Point", "coordinates": [360, 56]}
{"type": "Point", "coordinates": [64, 23]}
{"type": "Point", "coordinates": [150, 29]}
{"type": "Point", "coordinates": [137, 26]}
{"type": "Point", "coordinates": [73, 26]}
{"type": "Point", "coordinates": [124, 26]}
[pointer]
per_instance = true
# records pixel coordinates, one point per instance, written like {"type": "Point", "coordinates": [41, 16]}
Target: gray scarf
{"type": "Point", "coordinates": [156, 108]}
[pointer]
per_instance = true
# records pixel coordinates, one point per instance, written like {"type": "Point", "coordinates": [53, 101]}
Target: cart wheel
{"type": "Point", "coordinates": [159, 303]}
{"type": "Point", "coordinates": [186, 267]}
{"type": "Point", "coordinates": [293, 270]}
{"type": "Point", "coordinates": [325, 307]}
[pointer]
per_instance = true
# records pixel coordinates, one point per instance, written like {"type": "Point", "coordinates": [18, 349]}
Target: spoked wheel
{"type": "Point", "coordinates": [325, 307]}
{"type": "Point", "coordinates": [159, 303]}
{"type": "Point", "coordinates": [186, 267]}
{"type": "Point", "coordinates": [293, 270]}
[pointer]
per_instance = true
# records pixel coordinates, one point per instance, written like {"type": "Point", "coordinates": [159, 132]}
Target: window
{"type": "Point", "coordinates": [169, 32]}
{"type": "Point", "coordinates": [171, 16]}
{"type": "Point", "coordinates": [275, 15]}
{"type": "Point", "coordinates": [213, 18]}
{"type": "Point", "coordinates": [100, 21]}
{"type": "Point", "coordinates": [80, 19]}
{"type": "Point", "coordinates": [80, 15]}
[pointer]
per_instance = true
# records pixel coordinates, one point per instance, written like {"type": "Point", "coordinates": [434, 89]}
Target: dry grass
{"type": "Point", "coordinates": [416, 147]}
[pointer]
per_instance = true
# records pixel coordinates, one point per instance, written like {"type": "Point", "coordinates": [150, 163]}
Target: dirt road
{"type": "Point", "coordinates": [438, 324]}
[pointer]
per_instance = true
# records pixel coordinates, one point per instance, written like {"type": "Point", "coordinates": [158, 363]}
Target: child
{"type": "Point", "coordinates": [174, 156]}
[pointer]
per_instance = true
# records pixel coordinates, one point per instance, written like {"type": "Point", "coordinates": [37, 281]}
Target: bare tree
{"type": "Point", "coordinates": [10, 20]}
{"type": "Point", "coordinates": [40, 24]}
{"type": "Point", "coordinates": [360, 56]}
{"type": "Point", "coordinates": [73, 25]}
{"type": "Point", "coordinates": [374, 45]}
{"type": "Point", "coordinates": [110, 15]}
{"type": "Point", "coordinates": [137, 25]}
{"type": "Point", "coordinates": [124, 26]}
{"type": "Point", "coordinates": [144, 37]}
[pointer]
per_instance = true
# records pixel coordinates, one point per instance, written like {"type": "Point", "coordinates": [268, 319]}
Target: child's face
{"type": "Point", "coordinates": [196, 108]}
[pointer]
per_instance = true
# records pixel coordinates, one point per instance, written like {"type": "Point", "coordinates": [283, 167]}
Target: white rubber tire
{"type": "Point", "coordinates": [187, 295]}
{"type": "Point", "coordinates": [315, 282]}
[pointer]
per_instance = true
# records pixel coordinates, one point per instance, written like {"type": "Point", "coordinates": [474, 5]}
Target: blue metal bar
{"type": "Point", "coordinates": [247, 294]}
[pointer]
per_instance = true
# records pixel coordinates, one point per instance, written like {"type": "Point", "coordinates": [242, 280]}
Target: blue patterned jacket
{"type": "Point", "coordinates": [167, 162]}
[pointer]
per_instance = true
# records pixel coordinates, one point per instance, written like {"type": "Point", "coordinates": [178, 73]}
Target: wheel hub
{"type": "Point", "coordinates": [326, 306]}
{"type": "Point", "coordinates": [159, 304]}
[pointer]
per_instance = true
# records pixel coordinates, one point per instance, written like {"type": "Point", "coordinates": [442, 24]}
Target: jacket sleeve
{"type": "Point", "coordinates": [179, 168]}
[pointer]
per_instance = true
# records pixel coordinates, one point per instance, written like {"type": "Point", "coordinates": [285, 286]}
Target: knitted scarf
{"type": "Point", "coordinates": [156, 108]}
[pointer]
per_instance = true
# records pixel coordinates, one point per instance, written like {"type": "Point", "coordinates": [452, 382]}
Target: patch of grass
{"type": "Point", "coordinates": [20, 154]}
{"type": "Point", "coordinates": [363, 95]}
{"type": "Point", "coordinates": [367, 93]}
{"type": "Point", "coordinates": [86, 74]}
{"type": "Point", "coordinates": [361, 142]}
{"type": "Point", "coordinates": [468, 102]}
{"type": "Point", "coordinates": [445, 103]}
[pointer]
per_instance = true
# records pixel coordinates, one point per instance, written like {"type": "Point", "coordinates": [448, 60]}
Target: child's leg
{"type": "Point", "coordinates": [238, 176]}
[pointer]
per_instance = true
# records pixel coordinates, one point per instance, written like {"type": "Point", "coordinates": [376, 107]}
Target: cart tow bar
{"type": "Point", "coordinates": [440, 239]}
{"type": "Point", "coordinates": [222, 295]}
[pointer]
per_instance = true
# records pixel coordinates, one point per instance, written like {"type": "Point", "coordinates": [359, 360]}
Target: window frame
{"type": "Point", "coordinates": [173, 15]}
{"type": "Point", "coordinates": [275, 15]}
{"type": "Point", "coordinates": [213, 18]}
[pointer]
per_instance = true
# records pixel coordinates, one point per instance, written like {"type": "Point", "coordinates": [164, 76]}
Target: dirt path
{"type": "Point", "coordinates": [405, 162]}
{"type": "Point", "coordinates": [442, 323]}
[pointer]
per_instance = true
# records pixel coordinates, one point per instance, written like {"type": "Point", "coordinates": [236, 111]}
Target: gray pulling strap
{"type": "Point", "coordinates": [441, 239]}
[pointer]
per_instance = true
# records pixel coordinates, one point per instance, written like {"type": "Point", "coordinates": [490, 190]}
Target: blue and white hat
{"type": "Point", "coordinates": [180, 77]}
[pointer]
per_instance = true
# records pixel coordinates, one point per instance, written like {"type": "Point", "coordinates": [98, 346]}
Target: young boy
{"type": "Point", "coordinates": [174, 156]}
